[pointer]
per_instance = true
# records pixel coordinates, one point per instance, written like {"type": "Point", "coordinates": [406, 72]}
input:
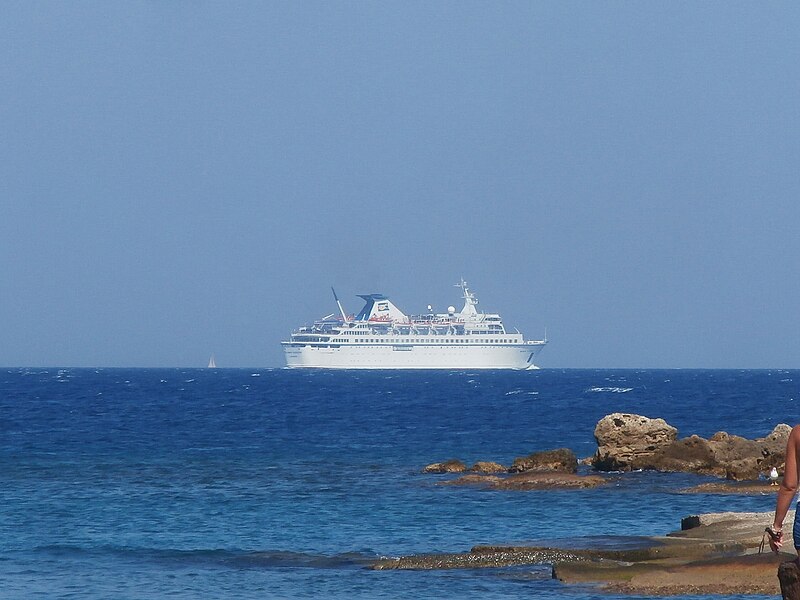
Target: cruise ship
{"type": "Point", "coordinates": [381, 336]}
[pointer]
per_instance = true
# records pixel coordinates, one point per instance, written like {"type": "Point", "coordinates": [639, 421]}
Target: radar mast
{"type": "Point", "coordinates": [470, 301]}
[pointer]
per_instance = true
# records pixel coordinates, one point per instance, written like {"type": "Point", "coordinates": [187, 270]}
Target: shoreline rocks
{"type": "Point", "coordinates": [711, 554]}
{"type": "Point", "coordinates": [627, 442]}
{"type": "Point", "coordinates": [549, 469]}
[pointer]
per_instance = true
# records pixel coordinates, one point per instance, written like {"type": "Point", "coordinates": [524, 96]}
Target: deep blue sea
{"type": "Point", "coordinates": [245, 483]}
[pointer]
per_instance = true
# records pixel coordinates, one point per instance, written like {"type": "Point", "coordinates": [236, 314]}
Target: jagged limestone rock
{"type": "Point", "coordinates": [626, 441]}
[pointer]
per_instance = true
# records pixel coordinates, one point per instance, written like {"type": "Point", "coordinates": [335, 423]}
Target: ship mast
{"type": "Point", "coordinates": [470, 301]}
{"type": "Point", "coordinates": [339, 304]}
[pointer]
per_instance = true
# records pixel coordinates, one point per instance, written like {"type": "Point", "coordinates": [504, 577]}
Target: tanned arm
{"type": "Point", "coordinates": [788, 487]}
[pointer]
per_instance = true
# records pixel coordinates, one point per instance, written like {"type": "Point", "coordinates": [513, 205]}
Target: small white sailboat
{"type": "Point", "coordinates": [212, 364]}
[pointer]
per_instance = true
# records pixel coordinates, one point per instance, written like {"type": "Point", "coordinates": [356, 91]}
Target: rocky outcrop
{"type": "Point", "coordinates": [561, 460]}
{"type": "Point", "coordinates": [484, 466]}
{"type": "Point", "coordinates": [773, 446]}
{"type": "Point", "coordinates": [692, 454]}
{"type": "Point", "coordinates": [626, 442]}
{"type": "Point", "coordinates": [449, 466]}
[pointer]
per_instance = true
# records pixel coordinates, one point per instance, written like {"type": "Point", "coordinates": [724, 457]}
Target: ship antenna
{"type": "Point", "coordinates": [339, 304]}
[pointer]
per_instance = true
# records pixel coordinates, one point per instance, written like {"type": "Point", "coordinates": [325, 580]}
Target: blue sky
{"type": "Point", "coordinates": [185, 178]}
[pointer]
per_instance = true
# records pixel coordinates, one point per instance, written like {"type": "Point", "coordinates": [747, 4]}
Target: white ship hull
{"type": "Point", "coordinates": [414, 356]}
{"type": "Point", "coordinates": [381, 336]}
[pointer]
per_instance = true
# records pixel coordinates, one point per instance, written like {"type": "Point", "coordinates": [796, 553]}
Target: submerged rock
{"type": "Point", "coordinates": [473, 479]}
{"type": "Point", "coordinates": [733, 488]}
{"type": "Point", "coordinates": [531, 481]}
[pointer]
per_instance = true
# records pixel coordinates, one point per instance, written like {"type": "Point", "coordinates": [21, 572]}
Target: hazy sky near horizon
{"type": "Point", "coordinates": [185, 178]}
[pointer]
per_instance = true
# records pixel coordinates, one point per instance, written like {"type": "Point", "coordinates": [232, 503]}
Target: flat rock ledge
{"type": "Point", "coordinates": [711, 554]}
{"type": "Point", "coordinates": [728, 488]}
{"type": "Point", "coordinates": [531, 481]}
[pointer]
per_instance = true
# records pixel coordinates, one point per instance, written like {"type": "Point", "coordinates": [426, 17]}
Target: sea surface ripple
{"type": "Point", "coordinates": [247, 483]}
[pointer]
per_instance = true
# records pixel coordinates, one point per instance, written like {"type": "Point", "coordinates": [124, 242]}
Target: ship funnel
{"type": "Point", "coordinates": [379, 308]}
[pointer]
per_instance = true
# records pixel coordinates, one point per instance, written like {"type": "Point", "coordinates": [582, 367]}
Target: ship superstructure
{"type": "Point", "coordinates": [381, 336]}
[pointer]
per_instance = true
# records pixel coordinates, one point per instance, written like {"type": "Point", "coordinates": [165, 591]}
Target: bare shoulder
{"type": "Point", "coordinates": [794, 436]}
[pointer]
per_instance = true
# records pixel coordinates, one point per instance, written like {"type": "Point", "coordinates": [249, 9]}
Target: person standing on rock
{"type": "Point", "coordinates": [786, 494]}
